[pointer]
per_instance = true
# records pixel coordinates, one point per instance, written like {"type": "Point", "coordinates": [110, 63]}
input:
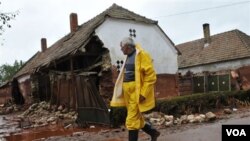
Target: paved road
{"type": "Point", "coordinates": [206, 132]}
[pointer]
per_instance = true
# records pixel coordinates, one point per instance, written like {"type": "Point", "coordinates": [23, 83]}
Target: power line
{"type": "Point", "coordinates": [205, 9]}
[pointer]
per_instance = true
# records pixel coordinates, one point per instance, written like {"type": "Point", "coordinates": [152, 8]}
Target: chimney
{"type": "Point", "coordinates": [206, 32]}
{"type": "Point", "coordinates": [73, 22]}
{"type": "Point", "coordinates": [43, 44]}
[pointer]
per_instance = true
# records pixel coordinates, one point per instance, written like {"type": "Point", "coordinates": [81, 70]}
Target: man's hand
{"type": "Point", "coordinates": [141, 99]}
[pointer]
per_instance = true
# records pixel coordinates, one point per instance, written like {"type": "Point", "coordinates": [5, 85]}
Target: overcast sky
{"type": "Point", "coordinates": [181, 20]}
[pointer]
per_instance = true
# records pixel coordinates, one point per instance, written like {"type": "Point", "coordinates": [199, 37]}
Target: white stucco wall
{"type": "Point", "coordinates": [230, 65]}
{"type": "Point", "coordinates": [151, 38]}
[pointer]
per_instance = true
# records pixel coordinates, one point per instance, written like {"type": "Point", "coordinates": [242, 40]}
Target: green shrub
{"type": "Point", "coordinates": [200, 103]}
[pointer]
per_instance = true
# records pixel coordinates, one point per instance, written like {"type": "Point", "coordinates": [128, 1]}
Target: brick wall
{"type": "Point", "coordinates": [166, 86]}
{"type": "Point", "coordinates": [245, 72]}
{"type": "Point", "coordinates": [245, 77]}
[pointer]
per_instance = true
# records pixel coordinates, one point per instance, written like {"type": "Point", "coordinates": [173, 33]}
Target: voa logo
{"type": "Point", "coordinates": [236, 132]}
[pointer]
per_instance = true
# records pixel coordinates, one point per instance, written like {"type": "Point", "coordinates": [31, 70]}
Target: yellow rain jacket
{"type": "Point", "coordinates": [145, 79]}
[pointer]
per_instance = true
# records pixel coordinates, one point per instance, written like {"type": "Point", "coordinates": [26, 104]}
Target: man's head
{"type": "Point", "coordinates": [127, 45]}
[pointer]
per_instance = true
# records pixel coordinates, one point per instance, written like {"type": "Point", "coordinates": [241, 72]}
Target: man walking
{"type": "Point", "coordinates": [134, 88]}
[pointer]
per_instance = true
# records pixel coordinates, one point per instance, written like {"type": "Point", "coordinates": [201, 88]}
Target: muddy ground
{"type": "Point", "coordinates": [189, 132]}
{"type": "Point", "coordinates": [192, 131]}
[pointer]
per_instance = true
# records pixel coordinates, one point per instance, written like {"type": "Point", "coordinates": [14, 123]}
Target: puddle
{"type": "Point", "coordinates": [45, 132]}
{"type": "Point", "coordinates": [41, 132]}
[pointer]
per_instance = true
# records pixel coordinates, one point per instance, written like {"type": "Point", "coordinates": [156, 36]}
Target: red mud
{"type": "Point", "coordinates": [47, 131]}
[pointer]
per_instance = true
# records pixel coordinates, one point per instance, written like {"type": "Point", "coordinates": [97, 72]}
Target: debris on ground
{"type": "Point", "coordinates": [43, 113]}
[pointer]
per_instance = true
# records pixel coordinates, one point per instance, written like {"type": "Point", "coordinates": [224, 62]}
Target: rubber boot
{"type": "Point", "coordinates": [133, 135]}
{"type": "Point", "coordinates": [151, 131]}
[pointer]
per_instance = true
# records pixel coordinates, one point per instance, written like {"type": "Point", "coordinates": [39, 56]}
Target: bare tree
{"type": "Point", "coordinates": [5, 18]}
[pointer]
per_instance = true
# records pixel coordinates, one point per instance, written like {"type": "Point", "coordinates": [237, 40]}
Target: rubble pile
{"type": "Point", "coordinates": [160, 119]}
{"type": "Point", "coordinates": [43, 113]}
{"type": "Point", "coordinates": [9, 107]}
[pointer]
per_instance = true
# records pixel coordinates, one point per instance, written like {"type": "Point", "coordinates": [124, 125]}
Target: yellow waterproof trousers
{"type": "Point", "coordinates": [134, 120]}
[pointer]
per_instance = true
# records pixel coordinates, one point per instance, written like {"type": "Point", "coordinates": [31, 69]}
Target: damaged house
{"type": "Point", "coordinates": [5, 92]}
{"type": "Point", "coordinates": [78, 71]}
{"type": "Point", "coordinates": [214, 63]}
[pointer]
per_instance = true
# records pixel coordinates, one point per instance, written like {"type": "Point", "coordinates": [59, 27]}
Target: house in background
{"type": "Point", "coordinates": [206, 64]}
{"type": "Point", "coordinates": [81, 66]}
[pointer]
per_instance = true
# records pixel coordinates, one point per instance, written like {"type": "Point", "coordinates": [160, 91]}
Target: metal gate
{"type": "Point", "coordinates": [224, 82]}
{"type": "Point", "coordinates": [213, 83]}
